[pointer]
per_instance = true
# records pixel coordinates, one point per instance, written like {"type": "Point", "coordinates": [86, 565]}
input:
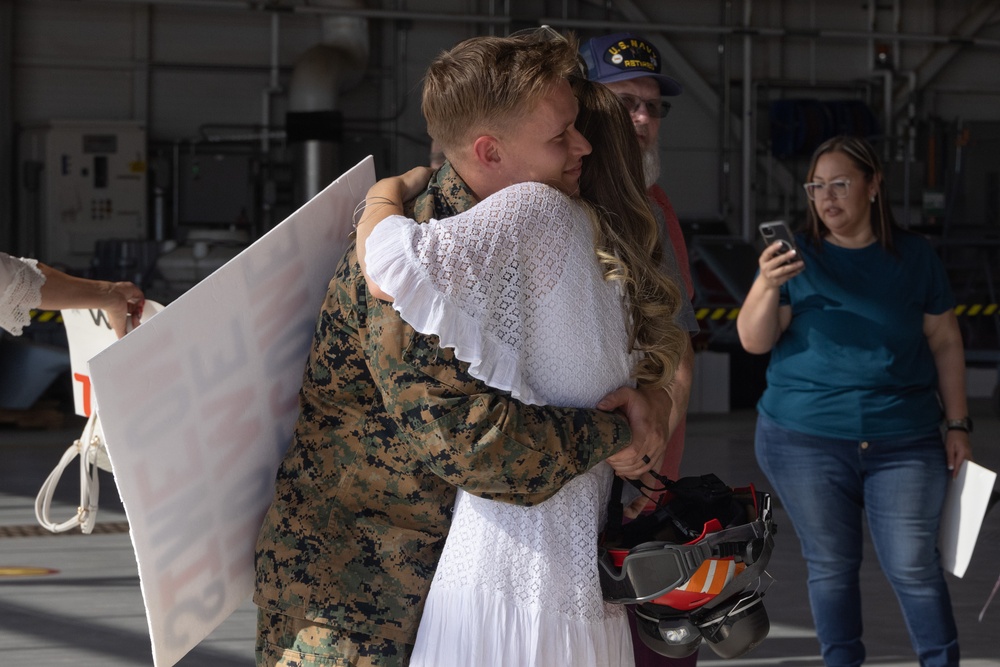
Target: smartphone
{"type": "Point", "coordinates": [778, 230]}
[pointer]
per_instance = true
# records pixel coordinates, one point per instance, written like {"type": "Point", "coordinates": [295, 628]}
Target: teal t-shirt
{"type": "Point", "coordinates": [854, 362]}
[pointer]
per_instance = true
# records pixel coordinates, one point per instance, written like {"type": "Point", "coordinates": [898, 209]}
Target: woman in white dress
{"type": "Point", "coordinates": [26, 284]}
{"type": "Point", "coordinates": [558, 301]}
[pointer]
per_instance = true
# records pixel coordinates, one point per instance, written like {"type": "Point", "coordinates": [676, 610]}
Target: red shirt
{"type": "Point", "coordinates": [675, 234]}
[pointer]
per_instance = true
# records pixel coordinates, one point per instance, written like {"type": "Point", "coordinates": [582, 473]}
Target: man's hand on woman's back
{"type": "Point", "coordinates": [648, 412]}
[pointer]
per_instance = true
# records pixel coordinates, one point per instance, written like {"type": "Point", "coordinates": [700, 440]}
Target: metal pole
{"type": "Point", "coordinates": [7, 179]}
{"type": "Point", "coordinates": [748, 126]}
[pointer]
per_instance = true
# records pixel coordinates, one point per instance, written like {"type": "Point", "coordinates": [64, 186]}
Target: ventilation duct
{"type": "Point", "coordinates": [314, 122]}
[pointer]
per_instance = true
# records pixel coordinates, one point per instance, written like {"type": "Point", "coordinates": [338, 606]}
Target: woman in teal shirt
{"type": "Point", "coordinates": [866, 362]}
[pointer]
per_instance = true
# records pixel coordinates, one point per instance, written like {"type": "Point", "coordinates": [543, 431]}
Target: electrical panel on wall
{"type": "Point", "coordinates": [81, 182]}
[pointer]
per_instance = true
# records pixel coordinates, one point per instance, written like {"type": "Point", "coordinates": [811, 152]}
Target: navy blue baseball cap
{"type": "Point", "coordinates": [623, 56]}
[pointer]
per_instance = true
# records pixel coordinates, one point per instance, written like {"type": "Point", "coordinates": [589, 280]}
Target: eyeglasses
{"type": "Point", "coordinates": [838, 189]}
{"type": "Point", "coordinates": [653, 108]}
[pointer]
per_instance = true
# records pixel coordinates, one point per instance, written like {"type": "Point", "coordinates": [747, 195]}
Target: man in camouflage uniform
{"type": "Point", "coordinates": [390, 424]}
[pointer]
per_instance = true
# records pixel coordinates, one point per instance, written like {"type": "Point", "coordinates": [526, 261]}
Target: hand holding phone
{"type": "Point", "coordinates": [778, 230]}
{"type": "Point", "coordinates": [776, 270]}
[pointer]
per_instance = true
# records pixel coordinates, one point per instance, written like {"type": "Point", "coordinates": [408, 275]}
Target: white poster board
{"type": "Point", "coordinates": [198, 407]}
{"type": "Point", "coordinates": [962, 516]}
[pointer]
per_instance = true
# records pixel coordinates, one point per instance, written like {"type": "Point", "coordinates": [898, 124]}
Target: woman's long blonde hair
{"type": "Point", "coordinates": [628, 237]}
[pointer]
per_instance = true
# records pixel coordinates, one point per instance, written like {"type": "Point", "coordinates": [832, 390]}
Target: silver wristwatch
{"type": "Point", "coordinates": [963, 424]}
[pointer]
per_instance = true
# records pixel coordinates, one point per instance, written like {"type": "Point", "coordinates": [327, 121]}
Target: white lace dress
{"type": "Point", "coordinates": [20, 291]}
{"type": "Point", "coordinates": [513, 285]}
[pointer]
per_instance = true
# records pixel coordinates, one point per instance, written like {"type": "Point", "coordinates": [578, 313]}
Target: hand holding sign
{"type": "Point", "coordinates": [88, 332]}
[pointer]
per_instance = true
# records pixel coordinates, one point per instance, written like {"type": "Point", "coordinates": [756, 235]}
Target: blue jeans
{"type": "Point", "coordinates": [825, 484]}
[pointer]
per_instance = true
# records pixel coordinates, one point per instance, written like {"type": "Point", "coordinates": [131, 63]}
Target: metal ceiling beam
{"type": "Point", "coordinates": [761, 31]}
{"type": "Point", "coordinates": [299, 7]}
{"type": "Point", "coordinates": [962, 37]}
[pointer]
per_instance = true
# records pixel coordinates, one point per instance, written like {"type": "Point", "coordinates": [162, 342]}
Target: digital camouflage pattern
{"type": "Point", "coordinates": [283, 641]}
{"type": "Point", "coordinates": [389, 425]}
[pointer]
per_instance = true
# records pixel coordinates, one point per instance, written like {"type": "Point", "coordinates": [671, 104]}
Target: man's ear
{"type": "Point", "coordinates": [486, 148]}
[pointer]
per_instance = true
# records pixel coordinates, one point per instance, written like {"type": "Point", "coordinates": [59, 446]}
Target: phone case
{"type": "Point", "coordinates": [777, 230]}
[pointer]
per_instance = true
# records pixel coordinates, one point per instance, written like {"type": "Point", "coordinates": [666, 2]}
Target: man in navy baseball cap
{"type": "Point", "coordinates": [625, 56]}
{"type": "Point", "coordinates": [631, 67]}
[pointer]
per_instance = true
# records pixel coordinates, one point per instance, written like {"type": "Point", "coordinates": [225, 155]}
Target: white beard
{"type": "Point", "coordinates": [651, 163]}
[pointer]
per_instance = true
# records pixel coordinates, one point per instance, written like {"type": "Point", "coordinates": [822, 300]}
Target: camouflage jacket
{"type": "Point", "coordinates": [389, 425]}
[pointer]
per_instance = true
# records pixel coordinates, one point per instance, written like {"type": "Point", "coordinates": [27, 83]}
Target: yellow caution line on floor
{"type": "Point", "coordinates": [16, 571]}
{"type": "Point", "coordinates": [974, 309]}
{"type": "Point", "coordinates": [35, 530]}
{"type": "Point", "coordinates": [716, 313]}
{"type": "Point", "coordinates": [962, 310]}
{"type": "Point", "coordinates": [46, 316]}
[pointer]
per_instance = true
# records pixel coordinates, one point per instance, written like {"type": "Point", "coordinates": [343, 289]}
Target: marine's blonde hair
{"type": "Point", "coordinates": [628, 237]}
{"type": "Point", "coordinates": [487, 84]}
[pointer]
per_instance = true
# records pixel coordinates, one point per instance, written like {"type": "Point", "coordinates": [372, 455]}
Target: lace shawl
{"type": "Point", "coordinates": [20, 291]}
{"type": "Point", "coordinates": [514, 287]}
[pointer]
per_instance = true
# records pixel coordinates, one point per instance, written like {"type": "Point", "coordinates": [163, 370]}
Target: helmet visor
{"type": "Point", "coordinates": [656, 568]}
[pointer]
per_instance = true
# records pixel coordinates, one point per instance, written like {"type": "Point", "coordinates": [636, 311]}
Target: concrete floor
{"type": "Point", "coordinates": [724, 445]}
{"type": "Point", "coordinates": [85, 609]}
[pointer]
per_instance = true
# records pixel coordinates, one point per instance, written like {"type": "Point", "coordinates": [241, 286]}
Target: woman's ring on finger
{"type": "Point", "coordinates": [646, 459]}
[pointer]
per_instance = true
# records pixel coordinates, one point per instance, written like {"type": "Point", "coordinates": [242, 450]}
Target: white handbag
{"type": "Point", "coordinates": [93, 457]}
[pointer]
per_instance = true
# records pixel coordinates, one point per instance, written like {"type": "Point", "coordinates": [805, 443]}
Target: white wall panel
{"type": "Point", "coordinates": [44, 93]}
{"type": "Point", "coordinates": [88, 59]}
{"type": "Point", "coordinates": [75, 30]}
{"type": "Point", "coordinates": [184, 100]}
{"type": "Point", "coordinates": [229, 37]}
